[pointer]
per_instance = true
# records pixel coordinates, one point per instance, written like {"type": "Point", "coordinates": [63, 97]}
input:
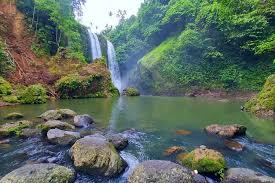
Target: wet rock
{"type": "Point", "coordinates": [200, 179]}
{"type": "Point", "coordinates": [234, 145]}
{"type": "Point", "coordinates": [118, 140]}
{"type": "Point", "coordinates": [14, 115]}
{"type": "Point", "coordinates": [96, 156]}
{"type": "Point", "coordinates": [42, 173]}
{"type": "Point", "coordinates": [13, 128]}
{"type": "Point", "coordinates": [183, 132]}
{"type": "Point", "coordinates": [226, 130]}
{"type": "Point", "coordinates": [58, 114]}
{"type": "Point", "coordinates": [62, 137]}
{"type": "Point", "coordinates": [244, 175]}
{"type": "Point", "coordinates": [30, 132]}
{"type": "Point", "coordinates": [173, 150]}
{"type": "Point", "coordinates": [161, 172]}
{"type": "Point", "coordinates": [204, 160]}
{"type": "Point", "coordinates": [52, 160]}
{"type": "Point", "coordinates": [52, 124]}
{"type": "Point", "coordinates": [83, 120]}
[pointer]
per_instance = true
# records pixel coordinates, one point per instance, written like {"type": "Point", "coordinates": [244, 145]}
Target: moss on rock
{"type": "Point", "coordinates": [13, 128]}
{"type": "Point", "coordinates": [204, 160]}
{"type": "Point", "coordinates": [130, 91]}
{"type": "Point", "coordinates": [264, 103]}
{"type": "Point", "coordinates": [14, 115]}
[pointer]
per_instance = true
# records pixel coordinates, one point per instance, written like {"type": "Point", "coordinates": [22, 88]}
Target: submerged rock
{"type": "Point", "coordinates": [62, 137]}
{"type": "Point", "coordinates": [58, 114]}
{"type": "Point", "coordinates": [40, 173]}
{"type": "Point", "coordinates": [13, 128]}
{"type": "Point", "coordinates": [204, 160]}
{"type": "Point", "coordinates": [244, 175]}
{"type": "Point", "coordinates": [14, 115]}
{"type": "Point", "coordinates": [161, 172]}
{"type": "Point", "coordinates": [96, 156]}
{"type": "Point", "coordinates": [226, 130]}
{"type": "Point", "coordinates": [118, 140]}
{"type": "Point", "coordinates": [183, 132]}
{"type": "Point", "coordinates": [173, 150]}
{"type": "Point", "coordinates": [52, 124]}
{"type": "Point", "coordinates": [234, 145]}
{"type": "Point", "coordinates": [83, 120]}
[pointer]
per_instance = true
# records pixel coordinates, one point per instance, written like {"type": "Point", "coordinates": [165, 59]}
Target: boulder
{"type": "Point", "coordinates": [118, 140]}
{"type": "Point", "coordinates": [30, 132]}
{"type": "Point", "coordinates": [161, 172]}
{"type": "Point", "coordinates": [40, 173]}
{"type": "Point", "coordinates": [96, 156]}
{"type": "Point", "coordinates": [13, 128]}
{"type": "Point", "coordinates": [226, 130]}
{"type": "Point", "coordinates": [14, 115]}
{"type": "Point", "coordinates": [131, 92]}
{"type": "Point", "coordinates": [244, 175]}
{"type": "Point", "coordinates": [173, 150]}
{"type": "Point", "coordinates": [83, 120]}
{"type": "Point", "coordinates": [58, 114]}
{"type": "Point", "coordinates": [52, 124]}
{"type": "Point", "coordinates": [204, 160]}
{"type": "Point", "coordinates": [62, 137]}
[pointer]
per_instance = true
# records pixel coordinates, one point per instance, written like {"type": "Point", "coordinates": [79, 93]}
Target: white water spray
{"type": "Point", "coordinates": [95, 46]}
{"type": "Point", "coordinates": [113, 66]}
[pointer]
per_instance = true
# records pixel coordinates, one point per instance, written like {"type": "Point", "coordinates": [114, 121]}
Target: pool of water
{"type": "Point", "coordinates": [156, 120]}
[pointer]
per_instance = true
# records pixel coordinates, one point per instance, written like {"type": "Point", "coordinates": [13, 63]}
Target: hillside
{"type": "Point", "coordinates": [177, 47]}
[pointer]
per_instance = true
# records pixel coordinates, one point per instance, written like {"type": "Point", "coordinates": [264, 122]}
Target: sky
{"type": "Point", "coordinates": [97, 12]}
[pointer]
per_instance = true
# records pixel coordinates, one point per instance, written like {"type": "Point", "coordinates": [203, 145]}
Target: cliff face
{"type": "Point", "coordinates": [30, 68]}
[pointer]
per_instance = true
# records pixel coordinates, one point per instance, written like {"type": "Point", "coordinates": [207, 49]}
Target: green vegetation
{"type": "Point", "coordinates": [54, 26]}
{"type": "Point", "coordinates": [264, 103]}
{"type": "Point", "coordinates": [34, 94]}
{"type": "Point", "coordinates": [6, 63]}
{"type": "Point", "coordinates": [5, 87]}
{"type": "Point", "coordinates": [185, 45]}
{"type": "Point", "coordinates": [131, 92]}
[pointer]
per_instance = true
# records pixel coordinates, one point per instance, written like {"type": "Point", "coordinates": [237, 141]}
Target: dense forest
{"type": "Point", "coordinates": [183, 45]}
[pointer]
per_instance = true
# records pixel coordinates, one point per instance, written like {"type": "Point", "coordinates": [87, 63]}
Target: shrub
{"type": "Point", "coordinates": [131, 92]}
{"type": "Point", "coordinates": [11, 99]}
{"type": "Point", "coordinates": [5, 87]}
{"type": "Point", "coordinates": [34, 94]}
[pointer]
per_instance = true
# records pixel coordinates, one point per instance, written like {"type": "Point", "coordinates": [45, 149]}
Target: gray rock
{"type": "Point", "coordinates": [96, 156]}
{"type": "Point", "coordinates": [200, 179]}
{"type": "Point", "coordinates": [30, 132]}
{"type": "Point", "coordinates": [118, 140]}
{"type": "Point", "coordinates": [62, 137]}
{"type": "Point", "coordinates": [161, 172]}
{"type": "Point", "coordinates": [226, 130]}
{"type": "Point", "coordinates": [40, 173]}
{"type": "Point", "coordinates": [244, 175]}
{"type": "Point", "coordinates": [58, 114]}
{"type": "Point", "coordinates": [83, 120]}
{"type": "Point", "coordinates": [13, 128]}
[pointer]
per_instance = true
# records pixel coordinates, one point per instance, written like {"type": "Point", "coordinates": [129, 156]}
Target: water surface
{"type": "Point", "coordinates": [156, 120]}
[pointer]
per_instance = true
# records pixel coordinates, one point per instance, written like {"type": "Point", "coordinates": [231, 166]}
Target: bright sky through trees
{"type": "Point", "coordinates": [97, 12]}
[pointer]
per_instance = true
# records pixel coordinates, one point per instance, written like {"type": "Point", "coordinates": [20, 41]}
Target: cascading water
{"type": "Point", "coordinates": [113, 66]}
{"type": "Point", "coordinates": [95, 46]}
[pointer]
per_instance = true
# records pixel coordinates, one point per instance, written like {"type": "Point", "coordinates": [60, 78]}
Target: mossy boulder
{"type": "Point", "coordinates": [96, 156]}
{"type": "Point", "coordinates": [204, 160]}
{"type": "Point", "coordinates": [5, 87]}
{"type": "Point", "coordinates": [40, 173]}
{"type": "Point", "coordinates": [14, 128]}
{"type": "Point", "coordinates": [132, 92]}
{"type": "Point", "coordinates": [14, 115]}
{"type": "Point", "coordinates": [34, 94]}
{"type": "Point", "coordinates": [52, 124]}
{"type": "Point", "coordinates": [161, 172]}
{"type": "Point", "coordinates": [58, 114]}
{"type": "Point", "coordinates": [264, 103]}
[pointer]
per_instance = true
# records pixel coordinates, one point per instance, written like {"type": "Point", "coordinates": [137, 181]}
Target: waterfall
{"type": "Point", "coordinates": [95, 46]}
{"type": "Point", "coordinates": [113, 66]}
